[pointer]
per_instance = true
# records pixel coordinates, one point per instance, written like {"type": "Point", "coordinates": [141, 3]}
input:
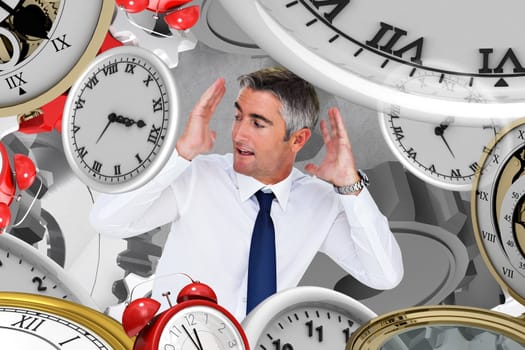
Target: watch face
{"type": "Point", "coordinates": [24, 268]}
{"type": "Point", "coordinates": [200, 327]}
{"type": "Point", "coordinates": [305, 318]}
{"type": "Point", "coordinates": [34, 322]}
{"type": "Point", "coordinates": [497, 207]}
{"type": "Point", "coordinates": [362, 50]}
{"type": "Point", "coordinates": [444, 153]}
{"type": "Point", "coordinates": [60, 35]}
{"type": "Point", "coordinates": [120, 120]}
{"type": "Point", "coordinates": [440, 327]}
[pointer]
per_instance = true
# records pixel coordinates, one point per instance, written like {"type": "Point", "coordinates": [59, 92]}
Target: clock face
{"type": "Point", "coordinates": [24, 268]}
{"type": "Point", "coordinates": [305, 318]}
{"type": "Point", "coordinates": [35, 322]}
{"type": "Point", "coordinates": [200, 327]}
{"type": "Point", "coordinates": [60, 35]}
{"type": "Point", "coordinates": [362, 50]}
{"type": "Point", "coordinates": [120, 120]}
{"type": "Point", "coordinates": [444, 153]}
{"type": "Point", "coordinates": [497, 208]}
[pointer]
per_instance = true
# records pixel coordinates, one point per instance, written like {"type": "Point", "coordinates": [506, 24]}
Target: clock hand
{"type": "Point", "coordinates": [440, 131]}
{"type": "Point", "coordinates": [112, 117]}
{"type": "Point", "coordinates": [198, 339]}
{"type": "Point", "coordinates": [129, 122]}
{"type": "Point", "coordinates": [7, 8]}
{"type": "Point", "coordinates": [193, 341]}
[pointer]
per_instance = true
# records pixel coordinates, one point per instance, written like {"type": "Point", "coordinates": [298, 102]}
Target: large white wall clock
{"type": "Point", "coordinates": [363, 50]}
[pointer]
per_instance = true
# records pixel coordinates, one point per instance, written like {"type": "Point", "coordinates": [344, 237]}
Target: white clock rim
{"type": "Point", "coordinates": [412, 168]}
{"type": "Point", "coordinates": [169, 143]}
{"type": "Point", "coordinates": [46, 264]}
{"type": "Point", "coordinates": [258, 319]}
{"type": "Point", "coordinates": [289, 52]}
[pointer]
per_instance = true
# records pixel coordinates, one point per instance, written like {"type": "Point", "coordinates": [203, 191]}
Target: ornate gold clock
{"type": "Point", "coordinates": [29, 321]}
{"type": "Point", "coordinates": [44, 45]}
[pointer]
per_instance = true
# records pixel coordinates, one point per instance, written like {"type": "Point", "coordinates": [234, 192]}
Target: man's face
{"type": "Point", "coordinates": [258, 133]}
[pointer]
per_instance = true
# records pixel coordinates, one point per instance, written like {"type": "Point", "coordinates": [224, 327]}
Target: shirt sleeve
{"type": "Point", "coordinates": [361, 242]}
{"type": "Point", "coordinates": [135, 212]}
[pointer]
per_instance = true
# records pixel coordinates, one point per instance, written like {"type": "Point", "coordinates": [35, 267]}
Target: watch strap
{"type": "Point", "coordinates": [356, 186]}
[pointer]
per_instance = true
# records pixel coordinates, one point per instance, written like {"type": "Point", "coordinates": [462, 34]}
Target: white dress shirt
{"type": "Point", "coordinates": [213, 212]}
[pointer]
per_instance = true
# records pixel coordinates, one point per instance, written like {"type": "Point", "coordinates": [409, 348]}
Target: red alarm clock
{"type": "Point", "coordinates": [23, 177]}
{"type": "Point", "coordinates": [196, 322]}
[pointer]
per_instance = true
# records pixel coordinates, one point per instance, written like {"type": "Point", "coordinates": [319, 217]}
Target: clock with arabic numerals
{"type": "Point", "coordinates": [305, 317]}
{"type": "Point", "coordinates": [361, 50]}
{"type": "Point", "coordinates": [61, 35]}
{"type": "Point", "coordinates": [497, 208]}
{"type": "Point", "coordinates": [29, 321]}
{"type": "Point", "coordinates": [120, 120]}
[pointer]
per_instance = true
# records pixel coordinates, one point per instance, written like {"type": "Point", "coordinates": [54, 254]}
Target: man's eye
{"type": "Point", "coordinates": [257, 124]}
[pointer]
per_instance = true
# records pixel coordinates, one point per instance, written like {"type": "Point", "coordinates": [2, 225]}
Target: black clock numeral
{"type": "Point", "coordinates": [432, 168]}
{"type": "Point", "coordinates": [29, 323]}
{"type": "Point", "coordinates": [40, 284]}
{"type": "Point", "coordinates": [117, 169]}
{"type": "Point", "coordinates": [62, 343]}
{"type": "Point", "coordinates": [75, 129]}
{"type": "Point", "coordinates": [508, 272]}
{"type": "Point", "coordinates": [521, 136]}
{"type": "Point", "coordinates": [474, 167]}
{"type": "Point", "coordinates": [388, 47]}
{"type": "Point", "coordinates": [92, 82]}
{"type": "Point", "coordinates": [482, 195]}
{"type": "Point", "coordinates": [137, 157]}
{"type": "Point", "coordinates": [157, 105]}
{"type": "Point", "coordinates": [509, 55]}
{"type": "Point", "coordinates": [130, 68]}
{"type": "Point", "coordinates": [318, 330]}
{"type": "Point", "coordinates": [15, 80]}
{"type": "Point", "coordinates": [148, 80]}
{"type": "Point", "coordinates": [339, 6]}
{"type": "Point", "coordinates": [60, 43]}
{"type": "Point", "coordinates": [346, 333]}
{"type": "Point", "coordinates": [79, 104]}
{"type": "Point", "coordinates": [111, 68]}
{"type": "Point", "coordinates": [277, 345]}
{"type": "Point", "coordinates": [455, 173]}
{"type": "Point", "coordinates": [97, 166]}
{"type": "Point", "coordinates": [154, 134]}
{"type": "Point", "coordinates": [398, 132]}
{"type": "Point", "coordinates": [412, 153]}
{"type": "Point", "coordinates": [82, 151]}
{"type": "Point", "coordinates": [490, 237]}
{"type": "Point", "coordinates": [190, 319]}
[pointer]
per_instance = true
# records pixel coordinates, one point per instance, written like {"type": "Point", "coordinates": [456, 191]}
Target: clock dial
{"type": "Point", "coordinates": [24, 268]}
{"type": "Point", "coordinates": [497, 208]}
{"type": "Point", "coordinates": [444, 327]}
{"type": "Point", "coordinates": [34, 322]}
{"type": "Point", "coordinates": [120, 121]}
{"type": "Point", "coordinates": [305, 318]}
{"type": "Point", "coordinates": [200, 327]}
{"type": "Point", "coordinates": [361, 50]}
{"type": "Point", "coordinates": [444, 153]}
{"type": "Point", "coordinates": [60, 35]}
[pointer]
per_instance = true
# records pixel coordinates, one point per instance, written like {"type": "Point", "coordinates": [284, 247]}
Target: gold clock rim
{"type": "Point", "coordinates": [104, 326]}
{"type": "Point", "coordinates": [373, 334]}
{"type": "Point", "coordinates": [474, 215]}
{"type": "Point", "coordinates": [101, 29]}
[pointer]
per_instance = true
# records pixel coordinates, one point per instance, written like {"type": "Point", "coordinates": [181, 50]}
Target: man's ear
{"type": "Point", "coordinates": [299, 139]}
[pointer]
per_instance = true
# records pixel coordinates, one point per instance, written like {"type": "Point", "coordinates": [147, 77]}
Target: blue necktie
{"type": "Point", "coordinates": [261, 267]}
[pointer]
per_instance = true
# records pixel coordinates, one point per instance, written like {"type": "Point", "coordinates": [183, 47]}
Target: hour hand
{"type": "Point", "coordinates": [440, 131]}
{"type": "Point", "coordinates": [112, 117]}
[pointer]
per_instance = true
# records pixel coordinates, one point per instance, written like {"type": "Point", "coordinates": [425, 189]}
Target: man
{"type": "Point", "coordinates": [211, 203]}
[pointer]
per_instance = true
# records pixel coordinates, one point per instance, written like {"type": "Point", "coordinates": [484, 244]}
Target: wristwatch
{"type": "Point", "coordinates": [356, 186]}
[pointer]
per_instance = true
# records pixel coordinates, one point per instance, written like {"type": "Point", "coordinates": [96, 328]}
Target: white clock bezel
{"type": "Point", "coordinates": [257, 321]}
{"type": "Point", "coordinates": [169, 139]}
{"type": "Point", "coordinates": [305, 61]}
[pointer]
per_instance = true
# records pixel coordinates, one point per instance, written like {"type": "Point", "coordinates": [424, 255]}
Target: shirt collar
{"type": "Point", "coordinates": [248, 186]}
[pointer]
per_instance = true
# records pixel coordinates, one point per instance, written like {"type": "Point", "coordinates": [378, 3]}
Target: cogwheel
{"type": "Point", "coordinates": [132, 286]}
